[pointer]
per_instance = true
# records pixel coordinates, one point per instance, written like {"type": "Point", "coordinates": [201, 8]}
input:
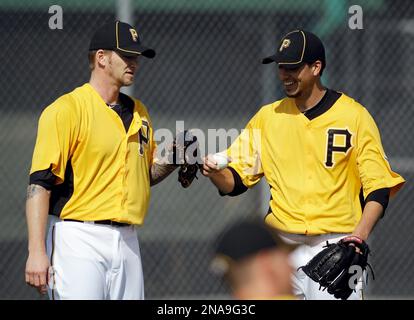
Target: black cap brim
{"type": "Point", "coordinates": [148, 53]}
{"type": "Point", "coordinates": [289, 66]}
{"type": "Point", "coordinates": [136, 51]}
{"type": "Point", "coordinates": [269, 59]}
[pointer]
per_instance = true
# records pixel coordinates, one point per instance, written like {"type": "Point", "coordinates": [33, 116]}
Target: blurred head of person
{"type": "Point", "coordinates": [254, 261]}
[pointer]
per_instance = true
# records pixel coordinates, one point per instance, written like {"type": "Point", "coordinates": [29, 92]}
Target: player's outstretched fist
{"type": "Point", "coordinates": [214, 163]}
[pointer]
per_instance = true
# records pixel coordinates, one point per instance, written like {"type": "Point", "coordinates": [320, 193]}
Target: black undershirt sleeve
{"type": "Point", "coordinates": [44, 178]}
{"type": "Point", "coordinates": [239, 187]}
{"type": "Point", "coordinates": [381, 196]}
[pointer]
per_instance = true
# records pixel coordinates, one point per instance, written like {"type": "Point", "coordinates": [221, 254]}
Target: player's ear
{"type": "Point", "coordinates": [101, 58]}
{"type": "Point", "coordinates": [316, 68]}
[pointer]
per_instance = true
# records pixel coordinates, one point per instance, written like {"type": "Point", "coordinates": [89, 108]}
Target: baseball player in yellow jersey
{"type": "Point", "coordinates": [320, 151]}
{"type": "Point", "coordinates": [92, 168]}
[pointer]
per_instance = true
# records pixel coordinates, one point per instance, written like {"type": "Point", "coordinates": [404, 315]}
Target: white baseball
{"type": "Point", "coordinates": [221, 159]}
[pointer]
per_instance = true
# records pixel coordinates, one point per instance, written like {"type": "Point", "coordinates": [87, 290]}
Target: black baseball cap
{"type": "Point", "coordinates": [243, 240]}
{"type": "Point", "coordinates": [297, 48]}
{"type": "Point", "coordinates": [122, 38]}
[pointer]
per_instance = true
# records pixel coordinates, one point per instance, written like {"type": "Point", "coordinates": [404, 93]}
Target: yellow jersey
{"type": "Point", "coordinates": [315, 167]}
{"type": "Point", "coordinates": [102, 170]}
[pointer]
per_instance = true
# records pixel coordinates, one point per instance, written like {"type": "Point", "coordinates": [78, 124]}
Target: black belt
{"type": "Point", "coordinates": [105, 222]}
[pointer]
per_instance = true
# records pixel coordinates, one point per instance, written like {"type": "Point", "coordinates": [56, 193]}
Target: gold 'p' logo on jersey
{"type": "Point", "coordinates": [285, 44]}
{"type": "Point", "coordinates": [134, 34]}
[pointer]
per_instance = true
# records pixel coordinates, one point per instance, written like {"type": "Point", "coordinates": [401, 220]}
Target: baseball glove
{"type": "Point", "coordinates": [331, 267]}
{"type": "Point", "coordinates": [186, 155]}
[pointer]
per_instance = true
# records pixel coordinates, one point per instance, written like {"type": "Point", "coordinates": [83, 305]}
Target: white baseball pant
{"type": "Point", "coordinates": [93, 261]}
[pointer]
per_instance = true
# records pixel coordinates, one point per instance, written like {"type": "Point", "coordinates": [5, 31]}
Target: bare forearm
{"type": "Point", "coordinates": [223, 180]}
{"type": "Point", "coordinates": [159, 172]}
{"type": "Point", "coordinates": [37, 208]}
{"type": "Point", "coordinates": [372, 213]}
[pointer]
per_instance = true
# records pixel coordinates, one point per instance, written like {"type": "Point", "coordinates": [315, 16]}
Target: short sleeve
{"type": "Point", "coordinates": [55, 140]}
{"type": "Point", "coordinates": [245, 153]}
{"type": "Point", "coordinates": [374, 170]}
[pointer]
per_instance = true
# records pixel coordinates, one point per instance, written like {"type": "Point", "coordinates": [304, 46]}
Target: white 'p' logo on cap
{"type": "Point", "coordinates": [285, 44]}
{"type": "Point", "coordinates": [134, 34]}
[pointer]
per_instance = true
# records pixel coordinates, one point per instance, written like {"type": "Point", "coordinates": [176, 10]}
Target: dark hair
{"type": "Point", "coordinates": [322, 67]}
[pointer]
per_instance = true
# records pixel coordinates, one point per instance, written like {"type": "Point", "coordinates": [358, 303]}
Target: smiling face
{"type": "Point", "coordinates": [299, 82]}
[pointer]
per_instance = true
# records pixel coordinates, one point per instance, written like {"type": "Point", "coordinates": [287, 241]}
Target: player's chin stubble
{"type": "Point", "coordinates": [127, 81]}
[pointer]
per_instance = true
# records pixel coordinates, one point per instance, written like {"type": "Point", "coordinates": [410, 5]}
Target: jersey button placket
{"type": "Point", "coordinates": [309, 160]}
{"type": "Point", "coordinates": [122, 178]}
{"type": "Point", "coordinates": [309, 176]}
{"type": "Point", "coordinates": [124, 174]}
